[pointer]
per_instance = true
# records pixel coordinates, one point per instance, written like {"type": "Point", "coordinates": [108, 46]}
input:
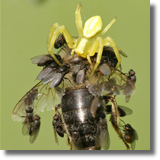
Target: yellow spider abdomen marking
{"type": "Point", "coordinates": [92, 26]}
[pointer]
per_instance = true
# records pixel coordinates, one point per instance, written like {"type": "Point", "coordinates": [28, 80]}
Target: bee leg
{"type": "Point", "coordinates": [58, 106]}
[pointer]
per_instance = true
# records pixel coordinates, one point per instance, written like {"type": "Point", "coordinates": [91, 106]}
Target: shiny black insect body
{"type": "Point", "coordinates": [60, 41]}
{"type": "Point", "coordinates": [84, 131]}
{"type": "Point", "coordinates": [31, 124]}
{"type": "Point", "coordinates": [57, 124]}
{"type": "Point", "coordinates": [130, 135]}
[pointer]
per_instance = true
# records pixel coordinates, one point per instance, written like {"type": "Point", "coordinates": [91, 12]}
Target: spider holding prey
{"type": "Point", "coordinates": [89, 40]}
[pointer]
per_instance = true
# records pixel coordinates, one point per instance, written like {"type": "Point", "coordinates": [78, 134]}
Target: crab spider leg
{"type": "Point", "coordinates": [99, 42]}
{"type": "Point", "coordinates": [107, 27]}
{"type": "Point", "coordinates": [52, 28]}
{"type": "Point", "coordinates": [69, 39]}
{"type": "Point", "coordinates": [78, 19]}
{"type": "Point", "coordinates": [113, 45]}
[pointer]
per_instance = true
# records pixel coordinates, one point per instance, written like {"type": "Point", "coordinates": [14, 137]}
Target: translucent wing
{"type": "Point", "coordinates": [40, 96]}
{"type": "Point", "coordinates": [44, 73]}
{"type": "Point", "coordinates": [117, 83]}
{"type": "Point", "coordinates": [102, 137]}
{"type": "Point", "coordinates": [25, 129]}
{"type": "Point", "coordinates": [55, 135]}
{"type": "Point", "coordinates": [34, 135]}
{"type": "Point", "coordinates": [105, 69]}
{"type": "Point", "coordinates": [42, 60]}
{"type": "Point", "coordinates": [123, 111]}
{"type": "Point", "coordinates": [133, 140]}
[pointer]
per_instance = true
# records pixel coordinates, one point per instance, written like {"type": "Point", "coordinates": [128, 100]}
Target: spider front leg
{"type": "Point", "coordinates": [78, 19]}
{"type": "Point", "coordinates": [52, 29]}
{"type": "Point", "coordinates": [113, 45]}
{"type": "Point", "coordinates": [52, 37]}
{"type": "Point", "coordinates": [98, 44]}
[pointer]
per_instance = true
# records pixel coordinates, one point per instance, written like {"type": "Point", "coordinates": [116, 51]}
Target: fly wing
{"type": "Point", "coordinates": [80, 76]}
{"type": "Point", "coordinates": [123, 111]}
{"type": "Point", "coordinates": [105, 69]}
{"type": "Point", "coordinates": [34, 135]}
{"type": "Point", "coordinates": [134, 137]}
{"type": "Point", "coordinates": [41, 59]}
{"type": "Point", "coordinates": [56, 80]}
{"type": "Point", "coordinates": [117, 83]}
{"type": "Point", "coordinates": [48, 78]}
{"type": "Point", "coordinates": [44, 73]}
{"type": "Point", "coordinates": [25, 129]}
{"type": "Point", "coordinates": [34, 130]}
{"type": "Point", "coordinates": [55, 135]}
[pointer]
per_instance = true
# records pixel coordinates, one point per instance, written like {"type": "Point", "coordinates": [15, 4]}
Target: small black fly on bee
{"type": "Point", "coordinates": [130, 135]}
{"type": "Point", "coordinates": [31, 124]}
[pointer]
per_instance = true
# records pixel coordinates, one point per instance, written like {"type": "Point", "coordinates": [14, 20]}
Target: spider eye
{"type": "Point", "coordinates": [92, 26]}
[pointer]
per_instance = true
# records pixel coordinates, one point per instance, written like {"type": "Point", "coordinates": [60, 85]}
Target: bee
{"type": "Point", "coordinates": [81, 111]}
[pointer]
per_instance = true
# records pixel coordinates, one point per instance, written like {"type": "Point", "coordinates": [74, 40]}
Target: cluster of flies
{"type": "Point", "coordinates": [80, 83]}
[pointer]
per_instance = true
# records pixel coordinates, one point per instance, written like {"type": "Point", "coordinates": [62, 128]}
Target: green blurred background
{"type": "Point", "coordinates": [24, 30]}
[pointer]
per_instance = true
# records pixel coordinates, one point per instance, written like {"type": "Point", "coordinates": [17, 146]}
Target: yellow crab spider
{"type": "Point", "coordinates": [88, 42]}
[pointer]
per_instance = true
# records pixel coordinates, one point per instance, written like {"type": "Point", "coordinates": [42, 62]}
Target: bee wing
{"type": "Point", "coordinates": [102, 137]}
{"type": "Point", "coordinates": [76, 142]}
{"type": "Point", "coordinates": [19, 110]}
{"type": "Point", "coordinates": [45, 96]}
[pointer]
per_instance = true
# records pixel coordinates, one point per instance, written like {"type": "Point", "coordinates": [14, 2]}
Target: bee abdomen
{"type": "Point", "coordinates": [79, 122]}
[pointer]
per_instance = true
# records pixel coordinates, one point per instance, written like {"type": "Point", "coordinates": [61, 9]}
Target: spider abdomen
{"type": "Point", "coordinates": [92, 26]}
